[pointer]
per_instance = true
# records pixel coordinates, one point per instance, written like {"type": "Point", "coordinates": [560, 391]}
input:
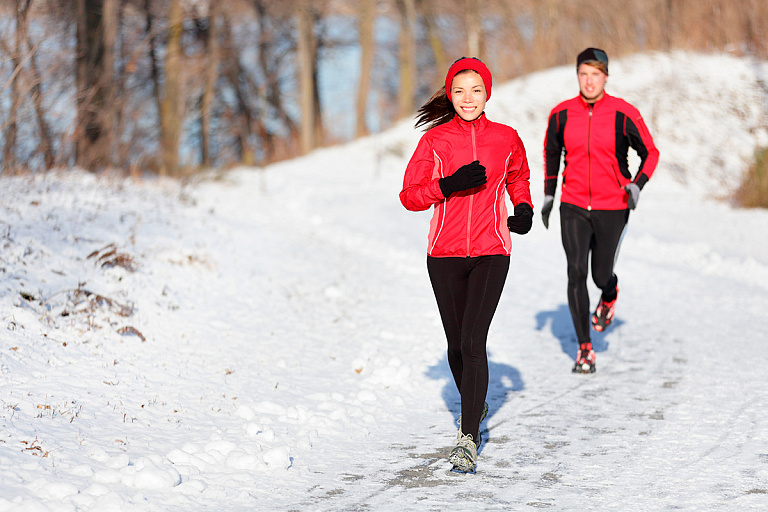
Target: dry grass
{"type": "Point", "coordinates": [81, 300]}
{"type": "Point", "coordinates": [130, 330]}
{"type": "Point", "coordinates": [108, 257]}
{"type": "Point", "coordinates": [753, 192]}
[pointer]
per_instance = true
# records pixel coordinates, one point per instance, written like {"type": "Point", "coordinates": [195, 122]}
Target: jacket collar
{"type": "Point", "coordinates": [479, 123]}
{"type": "Point", "coordinates": [598, 102]}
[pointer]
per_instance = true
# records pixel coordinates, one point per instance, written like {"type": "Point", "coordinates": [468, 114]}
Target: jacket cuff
{"type": "Point", "coordinates": [640, 180]}
{"type": "Point", "coordinates": [443, 189]}
{"type": "Point", "coordinates": [550, 185]}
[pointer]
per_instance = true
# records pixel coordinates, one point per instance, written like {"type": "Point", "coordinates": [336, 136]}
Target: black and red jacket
{"type": "Point", "coordinates": [596, 139]}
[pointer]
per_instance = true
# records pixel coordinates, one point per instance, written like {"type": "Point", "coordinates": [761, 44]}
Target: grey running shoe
{"type": "Point", "coordinates": [464, 454]}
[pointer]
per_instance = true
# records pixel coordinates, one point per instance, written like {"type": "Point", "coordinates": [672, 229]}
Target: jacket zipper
{"type": "Point", "coordinates": [471, 196]}
{"type": "Point", "coordinates": [589, 158]}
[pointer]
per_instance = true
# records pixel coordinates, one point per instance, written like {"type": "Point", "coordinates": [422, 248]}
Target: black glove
{"type": "Point", "coordinates": [522, 221]}
{"type": "Point", "coordinates": [634, 195]}
{"type": "Point", "coordinates": [546, 209]}
{"type": "Point", "coordinates": [466, 177]}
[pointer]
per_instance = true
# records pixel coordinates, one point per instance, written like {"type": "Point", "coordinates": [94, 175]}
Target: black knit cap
{"type": "Point", "coordinates": [591, 55]}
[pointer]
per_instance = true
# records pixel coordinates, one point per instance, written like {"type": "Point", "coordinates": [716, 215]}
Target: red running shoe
{"type": "Point", "coordinates": [585, 359]}
{"type": "Point", "coordinates": [603, 315]}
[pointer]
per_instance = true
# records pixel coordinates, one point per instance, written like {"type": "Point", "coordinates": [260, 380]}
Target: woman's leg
{"type": "Point", "coordinates": [449, 282]}
{"type": "Point", "coordinates": [467, 292]}
{"type": "Point", "coordinates": [486, 283]}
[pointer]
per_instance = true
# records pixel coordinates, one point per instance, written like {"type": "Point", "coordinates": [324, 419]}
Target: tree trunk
{"type": "Point", "coordinates": [244, 117]}
{"type": "Point", "coordinates": [11, 126]}
{"type": "Point", "coordinates": [547, 41]}
{"type": "Point", "coordinates": [367, 46]}
{"type": "Point", "coordinates": [270, 93]}
{"type": "Point", "coordinates": [474, 29]}
{"type": "Point", "coordinates": [171, 117]}
{"type": "Point", "coordinates": [318, 117]}
{"type": "Point", "coordinates": [306, 76]}
{"type": "Point", "coordinates": [438, 50]}
{"type": "Point", "coordinates": [46, 141]}
{"type": "Point", "coordinates": [96, 28]}
{"type": "Point", "coordinates": [407, 58]}
{"type": "Point", "coordinates": [107, 82]}
{"type": "Point", "coordinates": [211, 76]}
{"type": "Point", "coordinates": [154, 67]}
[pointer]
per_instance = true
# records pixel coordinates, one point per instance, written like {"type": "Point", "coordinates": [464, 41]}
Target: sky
{"type": "Point", "coordinates": [267, 338]}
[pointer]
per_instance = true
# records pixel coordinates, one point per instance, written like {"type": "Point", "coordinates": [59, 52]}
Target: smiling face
{"type": "Point", "coordinates": [591, 83]}
{"type": "Point", "coordinates": [468, 95]}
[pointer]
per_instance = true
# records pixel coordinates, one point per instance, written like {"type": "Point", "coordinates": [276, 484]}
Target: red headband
{"type": "Point", "coordinates": [473, 64]}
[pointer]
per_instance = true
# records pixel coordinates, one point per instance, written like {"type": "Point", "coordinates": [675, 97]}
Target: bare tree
{"type": "Point", "coordinates": [154, 71]}
{"type": "Point", "coordinates": [96, 26]}
{"type": "Point", "coordinates": [36, 91]}
{"type": "Point", "coordinates": [171, 111]}
{"type": "Point", "coordinates": [11, 126]}
{"type": "Point", "coordinates": [407, 54]}
{"type": "Point", "coordinates": [243, 117]}
{"type": "Point", "coordinates": [427, 10]}
{"type": "Point", "coordinates": [474, 25]}
{"type": "Point", "coordinates": [268, 66]}
{"type": "Point", "coordinates": [366, 18]}
{"type": "Point", "coordinates": [307, 74]}
{"type": "Point", "coordinates": [276, 44]}
{"type": "Point", "coordinates": [211, 76]}
{"type": "Point", "coordinates": [251, 67]}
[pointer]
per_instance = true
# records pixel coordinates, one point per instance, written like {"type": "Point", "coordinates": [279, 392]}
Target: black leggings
{"type": "Point", "coordinates": [598, 231]}
{"type": "Point", "coordinates": [467, 292]}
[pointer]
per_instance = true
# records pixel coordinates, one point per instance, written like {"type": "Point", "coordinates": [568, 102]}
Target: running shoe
{"type": "Point", "coordinates": [585, 359]}
{"type": "Point", "coordinates": [603, 315]}
{"type": "Point", "coordinates": [464, 454]}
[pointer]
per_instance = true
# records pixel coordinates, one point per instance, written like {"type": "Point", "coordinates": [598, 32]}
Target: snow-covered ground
{"type": "Point", "coordinates": [268, 339]}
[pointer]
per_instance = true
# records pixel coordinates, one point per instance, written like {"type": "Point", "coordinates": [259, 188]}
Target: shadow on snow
{"type": "Point", "coordinates": [503, 380]}
{"type": "Point", "coordinates": [561, 326]}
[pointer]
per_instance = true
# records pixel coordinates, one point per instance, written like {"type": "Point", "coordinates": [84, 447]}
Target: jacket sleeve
{"type": "Point", "coordinates": [641, 141]}
{"type": "Point", "coordinates": [421, 188]}
{"type": "Point", "coordinates": [518, 174]}
{"type": "Point", "coordinates": [553, 150]}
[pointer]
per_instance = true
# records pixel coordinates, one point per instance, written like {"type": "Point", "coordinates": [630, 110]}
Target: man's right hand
{"type": "Point", "coordinates": [546, 209]}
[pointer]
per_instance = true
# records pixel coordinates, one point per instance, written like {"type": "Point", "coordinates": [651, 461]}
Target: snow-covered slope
{"type": "Point", "coordinates": [268, 340]}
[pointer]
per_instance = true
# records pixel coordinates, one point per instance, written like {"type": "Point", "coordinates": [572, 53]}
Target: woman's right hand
{"type": "Point", "coordinates": [466, 177]}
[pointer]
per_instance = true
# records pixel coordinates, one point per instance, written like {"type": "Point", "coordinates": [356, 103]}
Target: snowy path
{"type": "Point", "coordinates": [639, 432]}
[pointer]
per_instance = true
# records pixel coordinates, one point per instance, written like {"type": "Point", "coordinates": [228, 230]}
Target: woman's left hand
{"type": "Point", "coordinates": [522, 221]}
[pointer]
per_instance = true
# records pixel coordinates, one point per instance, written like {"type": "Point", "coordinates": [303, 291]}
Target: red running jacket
{"type": "Point", "coordinates": [596, 140]}
{"type": "Point", "coordinates": [472, 222]}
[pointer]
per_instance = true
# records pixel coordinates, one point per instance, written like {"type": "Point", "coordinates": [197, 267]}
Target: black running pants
{"type": "Point", "coordinates": [467, 292]}
{"type": "Point", "coordinates": [598, 232]}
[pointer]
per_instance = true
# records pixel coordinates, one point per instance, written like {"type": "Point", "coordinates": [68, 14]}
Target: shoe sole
{"type": "Point", "coordinates": [461, 461]}
{"type": "Point", "coordinates": [600, 327]}
{"type": "Point", "coordinates": [599, 324]}
{"type": "Point", "coordinates": [585, 368]}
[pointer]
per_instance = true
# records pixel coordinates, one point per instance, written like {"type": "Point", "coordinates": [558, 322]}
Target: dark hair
{"type": "Point", "coordinates": [436, 111]}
